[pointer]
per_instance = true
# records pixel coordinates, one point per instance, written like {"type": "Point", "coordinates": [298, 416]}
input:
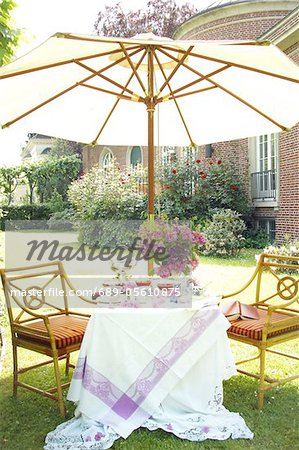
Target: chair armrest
{"type": "Point", "coordinates": [33, 331]}
{"type": "Point", "coordinates": [75, 313]}
{"type": "Point", "coordinates": [70, 284]}
{"type": "Point", "coordinates": [283, 305]}
{"type": "Point", "coordinates": [245, 286]}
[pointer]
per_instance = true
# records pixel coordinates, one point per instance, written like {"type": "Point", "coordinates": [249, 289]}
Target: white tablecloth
{"type": "Point", "coordinates": [151, 368]}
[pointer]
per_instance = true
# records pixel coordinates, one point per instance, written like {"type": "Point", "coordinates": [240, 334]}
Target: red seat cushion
{"type": "Point", "coordinates": [253, 328]}
{"type": "Point", "coordinates": [67, 330]}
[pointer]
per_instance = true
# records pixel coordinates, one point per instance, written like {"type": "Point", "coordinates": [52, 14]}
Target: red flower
{"type": "Point", "coordinates": [210, 162]}
{"type": "Point", "coordinates": [198, 161]}
{"type": "Point", "coordinates": [233, 188]}
{"type": "Point", "coordinates": [203, 175]}
{"type": "Point", "coordinates": [219, 161]}
{"type": "Point", "coordinates": [174, 171]}
{"type": "Point", "coordinates": [201, 172]}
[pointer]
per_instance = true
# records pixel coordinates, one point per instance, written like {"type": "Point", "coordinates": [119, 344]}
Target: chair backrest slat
{"type": "Point", "coordinates": [28, 288]}
{"type": "Point", "coordinates": [285, 269]}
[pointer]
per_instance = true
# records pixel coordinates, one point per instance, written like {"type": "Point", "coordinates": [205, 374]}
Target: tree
{"type": "Point", "coordinates": [62, 147]}
{"type": "Point", "coordinates": [9, 37]}
{"type": "Point", "coordinates": [162, 17]}
{"type": "Point", "coordinates": [33, 172]}
{"type": "Point", "coordinates": [9, 181]}
{"type": "Point", "coordinates": [55, 175]}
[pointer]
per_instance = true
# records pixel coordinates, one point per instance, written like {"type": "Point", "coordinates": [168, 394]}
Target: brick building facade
{"type": "Point", "coordinates": [271, 163]}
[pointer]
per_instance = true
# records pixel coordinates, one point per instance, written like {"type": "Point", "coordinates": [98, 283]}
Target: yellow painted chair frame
{"type": "Point", "coordinates": [279, 304]}
{"type": "Point", "coordinates": [34, 330]}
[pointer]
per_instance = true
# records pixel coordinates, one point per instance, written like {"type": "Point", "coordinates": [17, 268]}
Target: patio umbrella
{"type": "Point", "coordinates": [147, 89]}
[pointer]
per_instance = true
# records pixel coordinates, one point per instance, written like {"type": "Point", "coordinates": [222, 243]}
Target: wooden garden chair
{"type": "Point", "coordinates": [42, 323]}
{"type": "Point", "coordinates": [278, 316]}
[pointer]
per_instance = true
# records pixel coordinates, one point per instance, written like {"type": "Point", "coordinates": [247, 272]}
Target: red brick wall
{"type": "Point", "coordinates": [287, 224]}
{"type": "Point", "coordinates": [241, 26]}
{"type": "Point", "coordinates": [235, 152]}
{"type": "Point", "coordinates": [92, 155]}
{"type": "Point", "coordinates": [293, 52]}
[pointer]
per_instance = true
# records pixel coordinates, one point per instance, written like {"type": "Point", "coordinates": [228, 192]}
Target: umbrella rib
{"type": "Point", "coordinates": [107, 79]}
{"type": "Point", "coordinates": [7, 124]}
{"type": "Point", "coordinates": [134, 97]}
{"type": "Point", "coordinates": [68, 61]}
{"type": "Point", "coordinates": [133, 68]}
{"type": "Point", "coordinates": [223, 61]}
{"type": "Point", "coordinates": [117, 101]}
{"type": "Point", "coordinates": [191, 68]}
{"type": "Point", "coordinates": [283, 128]}
{"type": "Point", "coordinates": [202, 77]}
{"type": "Point", "coordinates": [181, 61]}
{"type": "Point", "coordinates": [175, 100]}
{"type": "Point", "coordinates": [173, 97]}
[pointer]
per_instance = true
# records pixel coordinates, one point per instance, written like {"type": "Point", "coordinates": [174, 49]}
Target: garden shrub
{"type": "Point", "coordinates": [56, 202]}
{"type": "Point", "coordinates": [224, 234]}
{"type": "Point", "coordinates": [194, 188]}
{"type": "Point", "coordinates": [61, 220]}
{"type": "Point", "coordinates": [24, 212]}
{"type": "Point", "coordinates": [102, 195]}
{"type": "Point", "coordinates": [290, 248]}
{"type": "Point", "coordinates": [256, 238]}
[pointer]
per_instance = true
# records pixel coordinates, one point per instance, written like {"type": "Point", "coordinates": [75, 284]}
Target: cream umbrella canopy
{"type": "Point", "coordinates": [106, 90]}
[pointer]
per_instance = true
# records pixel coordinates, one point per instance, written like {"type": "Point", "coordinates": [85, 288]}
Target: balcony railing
{"type": "Point", "coordinates": [264, 185]}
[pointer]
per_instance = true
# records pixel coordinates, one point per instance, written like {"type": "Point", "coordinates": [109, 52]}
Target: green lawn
{"type": "Point", "coordinates": [26, 420]}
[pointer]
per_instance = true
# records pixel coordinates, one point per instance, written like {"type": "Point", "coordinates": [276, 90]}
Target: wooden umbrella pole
{"type": "Point", "coordinates": [150, 103]}
{"type": "Point", "coordinates": [150, 106]}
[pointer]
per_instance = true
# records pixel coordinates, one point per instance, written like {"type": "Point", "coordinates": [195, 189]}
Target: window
{"type": "Point", "coordinates": [135, 156]}
{"type": "Point", "coordinates": [264, 179]}
{"type": "Point", "coordinates": [46, 151]}
{"type": "Point", "coordinates": [107, 158]}
{"type": "Point", "coordinates": [269, 225]}
{"type": "Point", "coordinates": [267, 152]}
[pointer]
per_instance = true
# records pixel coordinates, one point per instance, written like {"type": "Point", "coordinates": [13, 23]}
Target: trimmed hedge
{"type": "Point", "coordinates": [23, 212]}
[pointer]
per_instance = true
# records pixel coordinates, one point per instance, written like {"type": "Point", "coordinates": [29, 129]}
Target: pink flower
{"type": "Point", "coordinates": [171, 236]}
{"type": "Point", "coordinates": [197, 238]}
{"type": "Point", "coordinates": [205, 429]}
{"type": "Point", "coordinates": [98, 436]}
{"type": "Point", "coordinates": [163, 272]}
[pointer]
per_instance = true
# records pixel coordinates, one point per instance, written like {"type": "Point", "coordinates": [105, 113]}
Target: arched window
{"type": "Point", "coordinates": [135, 156]}
{"type": "Point", "coordinates": [46, 151]}
{"type": "Point", "coordinates": [107, 158]}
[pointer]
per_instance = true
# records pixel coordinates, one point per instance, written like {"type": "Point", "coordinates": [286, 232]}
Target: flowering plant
{"type": "Point", "coordinates": [178, 242]}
